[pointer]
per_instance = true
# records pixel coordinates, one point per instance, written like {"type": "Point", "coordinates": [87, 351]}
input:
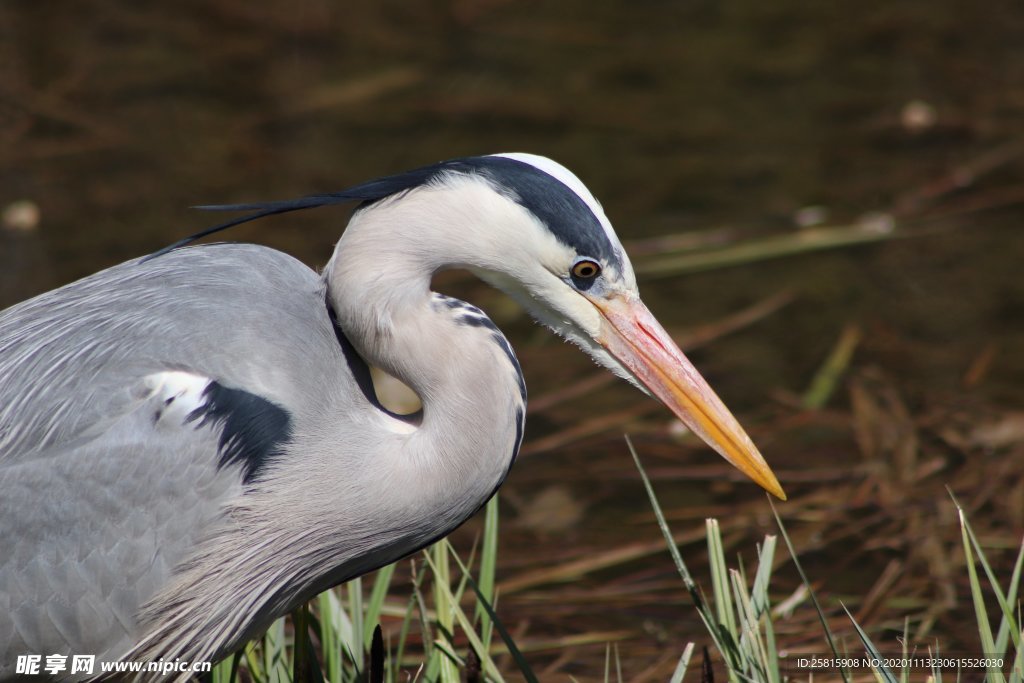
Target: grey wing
{"type": "Point", "coordinates": [92, 530]}
{"type": "Point", "coordinates": [246, 315]}
{"type": "Point", "coordinates": [116, 399]}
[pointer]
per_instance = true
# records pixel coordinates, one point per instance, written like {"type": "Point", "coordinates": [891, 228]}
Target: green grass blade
{"type": "Point", "coordinates": [1008, 624]}
{"type": "Point", "coordinates": [448, 654]}
{"type": "Point", "coordinates": [355, 614]}
{"type": "Point", "coordinates": [883, 672]}
{"type": "Point", "coordinates": [762, 604]}
{"type": "Point", "coordinates": [411, 608]}
{"type": "Point", "coordinates": [460, 587]}
{"type": "Point", "coordinates": [330, 638]}
{"type": "Point", "coordinates": [432, 665]}
{"type": "Point", "coordinates": [762, 579]}
{"type": "Point", "coordinates": [223, 671]}
{"type": "Point", "coordinates": [936, 669]}
{"type": "Point", "coordinates": [829, 375]}
{"type": "Point", "coordinates": [719, 577]}
{"type": "Point", "coordinates": [1017, 669]}
{"type": "Point", "coordinates": [513, 649]}
{"type": "Point", "coordinates": [844, 672]}
{"type": "Point", "coordinates": [905, 669]}
{"type": "Point", "coordinates": [981, 614]}
{"type": "Point", "coordinates": [755, 658]}
{"type": "Point", "coordinates": [345, 629]}
{"type": "Point", "coordinates": [252, 661]}
{"type": "Point", "coordinates": [381, 585]}
{"type": "Point", "coordinates": [662, 524]}
{"type": "Point", "coordinates": [1005, 630]}
{"type": "Point", "coordinates": [446, 598]}
{"type": "Point", "coordinates": [774, 674]}
{"type": "Point", "coordinates": [444, 604]}
{"type": "Point", "coordinates": [226, 671]}
{"type": "Point", "coordinates": [275, 660]}
{"type": "Point", "coordinates": [684, 662]}
{"type": "Point", "coordinates": [723, 640]}
{"type": "Point", "coordinates": [328, 647]}
{"type": "Point", "coordinates": [488, 568]}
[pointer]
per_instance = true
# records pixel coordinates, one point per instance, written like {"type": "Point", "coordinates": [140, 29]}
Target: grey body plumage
{"type": "Point", "coordinates": [189, 447]}
{"type": "Point", "coordinates": [110, 495]}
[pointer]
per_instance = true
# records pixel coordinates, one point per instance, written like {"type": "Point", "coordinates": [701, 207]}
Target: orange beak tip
{"type": "Point", "coordinates": [757, 469]}
{"type": "Point", "coordinates": [632, 335]}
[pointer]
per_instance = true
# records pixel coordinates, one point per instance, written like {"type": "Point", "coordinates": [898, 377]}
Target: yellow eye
{"type": "Point", "coordinates": [586, 269]}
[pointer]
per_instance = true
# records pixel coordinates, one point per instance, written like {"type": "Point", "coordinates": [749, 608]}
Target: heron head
{"type": "Point", "coordinates": [529, 226]}
{"type": "Point", "coordinates": [570, 271]}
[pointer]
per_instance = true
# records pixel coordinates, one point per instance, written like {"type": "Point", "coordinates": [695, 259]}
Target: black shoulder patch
{"type": "Point", "coordinates": [253, 429]}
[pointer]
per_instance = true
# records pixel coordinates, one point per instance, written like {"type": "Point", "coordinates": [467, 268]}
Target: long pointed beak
{"type": "Point", "coordinates": [631, 334]}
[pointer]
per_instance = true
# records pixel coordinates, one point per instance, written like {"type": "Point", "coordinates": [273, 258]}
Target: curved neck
{"type": "Point", "coordinates": [463, 369]}
{"type": "Point", "coordinates": [401, 487]}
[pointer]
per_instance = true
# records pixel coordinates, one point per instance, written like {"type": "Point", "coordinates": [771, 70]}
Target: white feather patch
{"type": "Point", "coordinates": [180, 392]}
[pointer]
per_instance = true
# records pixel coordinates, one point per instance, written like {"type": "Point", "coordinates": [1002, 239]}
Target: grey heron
{"type": "Point", "coordinates": [191, 445]}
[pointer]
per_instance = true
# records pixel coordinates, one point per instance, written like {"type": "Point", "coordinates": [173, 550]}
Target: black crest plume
{"type": "Point", "coordinates": [366, 193]}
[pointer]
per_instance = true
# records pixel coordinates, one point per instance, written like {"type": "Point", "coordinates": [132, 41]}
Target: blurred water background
{"type": "Point", "coordinates": [700, 126]}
